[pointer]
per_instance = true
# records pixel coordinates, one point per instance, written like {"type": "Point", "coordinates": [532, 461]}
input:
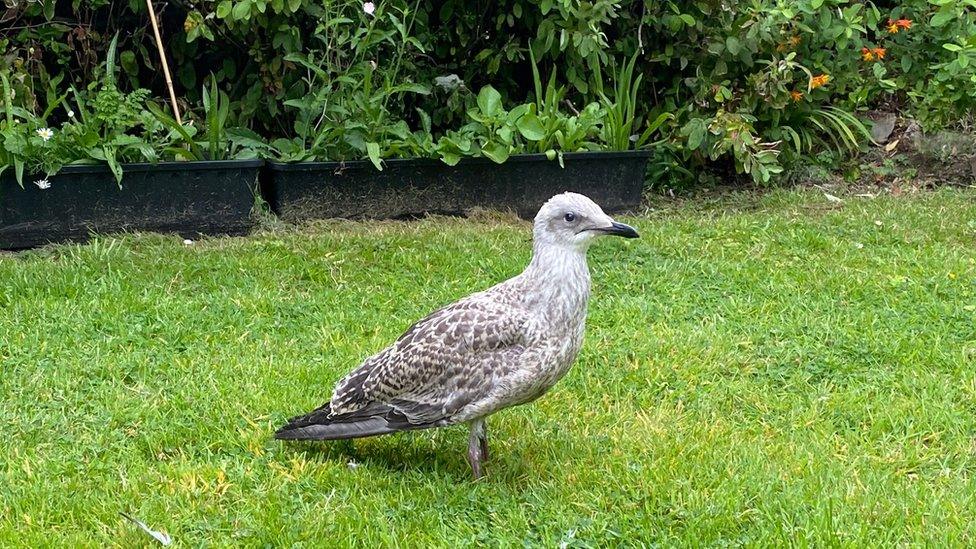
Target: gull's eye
{"type": "Point", "coordinates": [570, 217]}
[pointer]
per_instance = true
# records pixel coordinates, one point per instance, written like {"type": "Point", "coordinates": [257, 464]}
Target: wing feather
{"type": "Point", "coordinates": [440, 364]}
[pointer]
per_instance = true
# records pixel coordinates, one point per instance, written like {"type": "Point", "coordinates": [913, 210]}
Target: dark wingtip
{"type": "Point", "coordinates": [284, 434]}
{"type": "Point", "coordinates": [292, 428]}
{"type": "Point", "coordinates": [293, 431]}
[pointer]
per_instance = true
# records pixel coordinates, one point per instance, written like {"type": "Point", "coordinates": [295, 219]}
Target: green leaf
{"type": "Point", "coordinates": [246, 138]}
{"type": "Point", "coordinates": [530, 127]}
{"type": "Point", "coordinates": [496, 152]}
{"type": "Point", "coordinates": [447, 10]}
{"type": "Point", "coordinates": [943, 16]}
{"type": "Point", "coordinates": [110, 60]}
{"type": "Point", "coordinates": [815, 4]}
{"type": "Point", "coordinates": [696, 137]}
{"type": "Point", "coordinates": [505, 133]}
{"type": "Point", "coordinates": [695, 130]}
{"type": "Point", "coordinates": [223, 9]}
{"type": "Point", "coordinates": [195, 152]}
{"type": "Point", "coordinates": [5, 89]}
{"type": "Point", "coordinates": [241, 10]}
{"type": "Point", "coordinates": [952, 47]}
{"type": "Point", "coordinates": [113, 164]}
{"type": "Point", "coordinates": [128, 61]}
{"type": "Point", "coordinates": [373, 152]}
{"type": "Point", "coordinates": [689, 20]}
{"type": "Point", "coordinates": [733, 45]}
{"type": "Point", "coordinates": [489, 101]}
{"type": "Point", "coordinates": [409, 87]}
{"type": "Point", "coordinates": [449, 158]}
{"type": "Point", "coordinates": [659, 120]}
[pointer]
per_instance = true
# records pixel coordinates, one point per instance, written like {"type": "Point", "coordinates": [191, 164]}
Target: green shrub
{"type": "Point", "coordinates": [755, 86]}
{"type": "Point", "coordinates": [104, 124]}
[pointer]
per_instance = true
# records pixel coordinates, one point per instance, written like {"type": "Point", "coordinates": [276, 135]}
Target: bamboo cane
{"type": "Point", "coordinates": [162, 59]}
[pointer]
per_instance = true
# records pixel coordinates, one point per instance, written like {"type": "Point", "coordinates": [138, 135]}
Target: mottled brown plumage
{"type": "Point", "coordinates": [498, 348]}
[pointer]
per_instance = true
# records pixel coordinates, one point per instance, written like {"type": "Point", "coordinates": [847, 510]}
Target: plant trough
{"type": "Point", "coordinates": [189, 198]}
{"type": "Point", "coordinates": [416, 187]}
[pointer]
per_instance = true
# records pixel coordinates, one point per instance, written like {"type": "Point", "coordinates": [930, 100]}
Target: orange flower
{"type": "Point", "coordinates": [819, 81]}
{"type": "Point", "coordinates": [796, 95]}
{"type": "Point", "coordinates": [790, 44]}
{"type": "Point", "coordinates": [894, 26]}
{"type": "Point", "coordinates": [873, 54]}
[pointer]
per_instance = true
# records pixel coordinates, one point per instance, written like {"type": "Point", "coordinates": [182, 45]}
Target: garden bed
{"type": "Point", "coordinates": [416, 187]}
{"type": "Point", "coordinates": [188, 198]}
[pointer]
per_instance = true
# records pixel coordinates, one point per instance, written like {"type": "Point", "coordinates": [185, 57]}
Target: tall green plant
{"type": "Point", "coordinates": [621, 129]}
{"type": "Point", "coordinates": [216, 141]}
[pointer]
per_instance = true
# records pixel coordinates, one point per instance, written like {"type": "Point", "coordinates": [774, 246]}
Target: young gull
{"type": "Point", "coordinates": [497, 348]}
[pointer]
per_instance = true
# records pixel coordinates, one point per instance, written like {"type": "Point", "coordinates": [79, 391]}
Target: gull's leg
{"type": "Point", "coordinates": [475, 454]}
{"type": "Point", "coordinates": [483, 439]}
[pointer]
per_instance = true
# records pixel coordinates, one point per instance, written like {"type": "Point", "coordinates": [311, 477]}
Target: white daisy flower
{"type": "Point", "coordinates": [369, 8]}
{"type": "Point", "coordinates": [43, 183]}
{"type": "Point", "coordinates": [45, 133]}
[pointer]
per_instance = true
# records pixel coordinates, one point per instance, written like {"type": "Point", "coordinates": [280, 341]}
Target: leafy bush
{"type": "Point", "coordinates": [755, 86]}
{"type": "Point", "coordinates": [109, 126]}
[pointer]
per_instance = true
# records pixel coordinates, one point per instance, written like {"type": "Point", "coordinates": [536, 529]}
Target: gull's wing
{"type": "Point", "coordinates": [440, 364]}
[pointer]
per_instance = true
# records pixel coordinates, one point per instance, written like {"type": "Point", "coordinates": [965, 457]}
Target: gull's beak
{"type": "Point", "coordinates": [619, 229]}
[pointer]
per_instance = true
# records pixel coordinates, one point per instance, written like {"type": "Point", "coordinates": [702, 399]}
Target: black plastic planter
{"type": "Point", "coordinates": [414, 187]}
{"type": "Point", "coordinates": [188, 198]}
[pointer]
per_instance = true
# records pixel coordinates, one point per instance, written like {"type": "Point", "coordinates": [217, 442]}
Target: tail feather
{"type": "Point", "coordinates": [336, 431]}
{"type": "Point", "coordinates": [320, 424]}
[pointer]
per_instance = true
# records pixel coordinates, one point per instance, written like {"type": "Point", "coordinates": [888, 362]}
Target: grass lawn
{"type": "Point", "coordinates": [756, 370]}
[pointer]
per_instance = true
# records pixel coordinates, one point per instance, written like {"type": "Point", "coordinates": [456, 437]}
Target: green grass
{"type": "Point", "coordinates": [756, 370]}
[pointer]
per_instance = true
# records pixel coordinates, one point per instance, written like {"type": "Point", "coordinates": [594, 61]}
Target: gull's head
{"type": "Point", "coordinates": [574, 221]}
